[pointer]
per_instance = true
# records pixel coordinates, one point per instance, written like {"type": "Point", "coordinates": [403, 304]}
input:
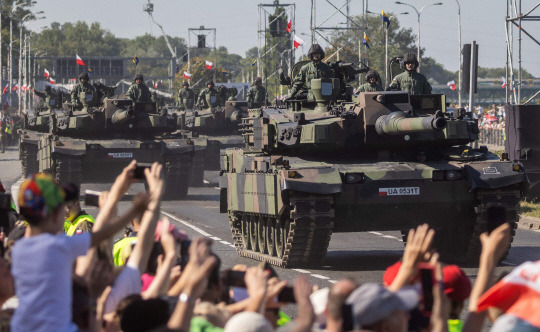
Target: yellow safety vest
{"type": "Point", "coordinates": [72, 227]}
{"type": "Point", "coordinates": [119, 259]}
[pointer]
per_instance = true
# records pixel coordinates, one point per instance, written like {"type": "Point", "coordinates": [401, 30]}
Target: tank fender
{"type": "Point", "coordinates": [69, 147]}
{"type": "Point", "coordinates": [177, 146]}
{"type": "Point", "coordinates": [322, 181]}
{"type": "Point", "coordinates": [495, 175]}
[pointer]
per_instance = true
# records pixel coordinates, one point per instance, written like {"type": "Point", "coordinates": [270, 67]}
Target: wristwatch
{"type": "Point", "coordinates": [184, 298]}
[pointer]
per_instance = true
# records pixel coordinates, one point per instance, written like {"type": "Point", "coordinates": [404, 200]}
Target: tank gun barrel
{"type": "Point", "coordinates": [397, 123]}
{"type": "Point", "coordinates": [122, 116]}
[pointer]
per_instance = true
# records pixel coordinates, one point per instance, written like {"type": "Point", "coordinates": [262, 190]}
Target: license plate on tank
{"type": "Point", "coordinates": [399, 191]}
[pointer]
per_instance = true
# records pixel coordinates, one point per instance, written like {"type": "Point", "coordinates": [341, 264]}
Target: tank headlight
{"type": "Point", "coordinates": [292, 174]}
{"type": "Point", "coordinates": [354, 178]}
{"type": "Point", "coordinates": [407, 137]}
{"type": "Point", "coordinates": [517, 167]}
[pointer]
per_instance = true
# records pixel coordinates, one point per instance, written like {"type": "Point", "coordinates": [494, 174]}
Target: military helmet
{"type": "Point", "coordinates": [316, 48]}
{"type": "Point", "coordinates": [410, 57]}
{"type": "Point", "coordinates": [258, 80]}
{"type": "Point", "coordinates": [185, 84]}
{"type": "Point", "coordinates": [48, 88]}
{"type": "Point", "coordinates": [84, 75]}
{"type": "Point", "coordinates": [371, 73]}
{"type": "Point", "coordinates": [210, 83]}
{"type": "Point", "coordinates": [138, 77]}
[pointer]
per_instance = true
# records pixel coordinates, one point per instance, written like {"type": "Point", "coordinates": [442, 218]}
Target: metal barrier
{"type": "Point", "coordinates": [492, 136]}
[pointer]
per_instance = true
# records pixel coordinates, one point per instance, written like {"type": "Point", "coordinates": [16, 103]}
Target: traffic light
{"type": "Point", "coordinates": [201, 41]}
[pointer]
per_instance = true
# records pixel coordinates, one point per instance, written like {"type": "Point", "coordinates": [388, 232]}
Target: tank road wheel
{"type": "Point", "coordinates": [245, 231]}
{"type": "Point", "coordinates": [281, 233]}
{"type": "Point", "coordinates": [177, 173]}
{"type": "Point", "coordinates": [68, 169]}
{"type": "Point", "coordinates": [269, 233]}
{"type": "Point", "coordinates": [29, 159]}
{"type": "Point", "coordinates": [261, 233]}
{"type": "Point", "coordinates": [253, 238]}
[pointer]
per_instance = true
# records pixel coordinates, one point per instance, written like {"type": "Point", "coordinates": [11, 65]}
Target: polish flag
{"type": "Point", "coordinates": [452, 85]}
{"type": "Point", "coordinates": [187, 75]}
{"type": "Point", "coordinates": [209, 65]}
{"type": "Point", "coordinates": [298, 41]}
{"type": "Point", "coordinates": [15, 87]}
{"type": "Point", "coordinates": [52, 80]}
{"type": "Point", "coordinates": [504, 82]}
{"type": "Point", "coordinates": [5, 88]}
{"type": "Point", "coordinates": [46, 74]}
{"type": "Point", "coordinates": [79, 60]}
{"type": "Point", "coordinates": [289, 26]}
{"type": "Point", "coordinates": [518, 293]}
{"type": "Point", "coordinates": [23, 88]}
{"type": "Point", "coordinates": [154, 84]}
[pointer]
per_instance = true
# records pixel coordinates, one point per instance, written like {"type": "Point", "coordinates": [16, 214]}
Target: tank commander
{"type": "Point", "coordinates": [411, 81]}
{"type": "Point", "coordinates": [315, 69]}
{"type": "Point", "coordinates": [103, 90]}
{"type": "Point", "coordinates": [372, 83]}
{"type": "Point", "coordinates": [257, 93]}
{"type": "Point", "coordinates": [186, 97]}
{"type": "Point", "coordinates": [87, 88]}
{"type": "Point", "coordinates": [211, 92]}
{"type": "Point", "coordinates": [283, 79]}
{"type": "Point", "coordinates": [50, 99]}
{"type": "Point", "coordinates": [233, 92]}
{"type": "Point", "coordinates": [138, 91]}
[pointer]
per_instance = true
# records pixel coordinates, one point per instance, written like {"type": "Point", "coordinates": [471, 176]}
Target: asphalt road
{"type": "Point", "coordinates": [364, 256]}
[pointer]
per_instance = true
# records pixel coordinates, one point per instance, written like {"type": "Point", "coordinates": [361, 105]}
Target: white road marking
{"type": "Point", "coordinates": [232, 246]}
{"type": "Point", "coordinates": [391, 237]}
{"type": "Point", "coordinates": [195, 228]}
{"type": "Point", "coordinates": [215, 238]}
{"type": "Point", "coordinates": [225, 242]}
{"type": "Point", "coordinates": [206, 181]}
{"type": "Point", "coordinates": [320, 276]}
{"type": "Point", "coordinates": [376, 233]}
{"type": "Point", "coordinates": [332, 281]}
{"type": "Point", "coordinates": [302, 271]}
{"type": "Point", "coordinates": [216, 188]}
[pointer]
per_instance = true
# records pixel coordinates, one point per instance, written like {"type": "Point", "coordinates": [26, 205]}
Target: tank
{"type": "Point", "coordinates": [93, 144]}
{"type": "Point", "coordinates": [375, 161]}
{"type": "Point", "coordinates": [218, 125]}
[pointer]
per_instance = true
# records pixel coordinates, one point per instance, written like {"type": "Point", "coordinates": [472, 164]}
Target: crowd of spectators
{"type": "Point", "coordinates": [159, 280]}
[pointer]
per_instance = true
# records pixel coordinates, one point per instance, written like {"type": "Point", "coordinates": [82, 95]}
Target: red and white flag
{"type": "Point", "coordinates": [5, 88]}
{"type": "Point", "coordinates": [15, 87]}
{"type": "Point", "coordinates": [298, 41]}
{"type": "Point", "coordinates": [52, 81]}
{"type": "Point", "coordinates": [187, 75]}
{"type": "Point", "coordinates": [504, 82]}
{"type": "Point", "coordinates": [79, 60]}
{"type": "Point", "coordinates": [154, 84]}
{"type": "Point", "coordinates": [46, 74]}
{"type": "Point", "coordinates": [209, 65]}
{"type": "Point", "coordinates": [289, 26]}
{"type": "Point", "coordinates": [452, 85]}
{"type": "Point", "coordinates": [23, 87]}
{"type": "Point", "coordinates": [518, 293]}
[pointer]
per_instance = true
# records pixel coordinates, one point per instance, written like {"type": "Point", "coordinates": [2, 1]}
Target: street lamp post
{"type": "Point", "coordinates": [418, 12]}
{"type": "Point", "coordinates": [460, 70]}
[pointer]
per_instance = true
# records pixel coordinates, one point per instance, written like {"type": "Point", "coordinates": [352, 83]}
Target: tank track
{"type": "Point", "coordinates": [308, 227]}
{"type": "Point", "coordinates": [177, 174]}
{"type": "Point", "coordinates": [29, 162]}
{"type": "Point", "coordinates": [503, 199]}
{"type": "Point", "coordinates": [68, 169]}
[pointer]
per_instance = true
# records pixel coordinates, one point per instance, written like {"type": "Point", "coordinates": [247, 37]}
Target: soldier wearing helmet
{"type": "Point", "coordinates": [209, 96]}
{"type": "Point", "coordinates": [411, 81]}
{"type": "Point", "coordinates": [138, 91]}
{"type": "Point", "coordinates": [315, 69]}
{"type": "Point", "coordinates": [84, 93]}
{"type": "Point", "coordinates": [186, 97]}
{"type": "Point", "coordinates": [257, 93]}
{"type": "Point", "coordinates": [50, 98]}
{"type": "Point", "coordinates": [372, 83]}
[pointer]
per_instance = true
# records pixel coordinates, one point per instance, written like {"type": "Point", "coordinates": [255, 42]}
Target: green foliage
{"type": "Point", "coordinates": [499, 72]}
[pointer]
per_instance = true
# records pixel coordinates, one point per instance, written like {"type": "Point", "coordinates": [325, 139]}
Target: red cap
{"type": "Point", "coordinates": [457, 285]}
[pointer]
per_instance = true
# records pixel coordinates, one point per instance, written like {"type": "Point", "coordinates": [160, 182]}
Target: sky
{"type": "Point", "coordinates": [236, 23]}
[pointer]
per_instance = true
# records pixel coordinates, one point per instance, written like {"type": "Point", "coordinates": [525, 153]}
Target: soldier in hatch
{"type": "Point", "coordinates": [50, 99]}
{"type": "Point", "coordinates": [83, 93]}
{"type": "Point", "coordinates": [411, 81]}
{"type": "Point", "coordinates": [186, 97]}
{"type": "Point", "coordinates": [138, 91]}
{"type": "Point", "coordinates": [209, 93]}
{"type": "Point", "coordinates": [257, 93]}
{"type": "Point", "coordinates": [315, 69]}
{"type": "Point", "coordinates": [372, 83]}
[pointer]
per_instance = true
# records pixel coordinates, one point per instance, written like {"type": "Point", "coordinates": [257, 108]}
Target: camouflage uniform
{"type": "Point", "coordinates": [212, 92]}
{"type": "Point", "coordinates": [312, 70]}
{"type": "Point", "coordinates": [256, 94]}
{"type": "Point", "coordinates": [412, 82]}
{"type": "Point", "coordinates": [369, 87]}
{"type": "Point", "coordinates": [47, 96]}
{"type": "Point", "coordinates": [139, 93]}
{"type": "Point", "coordinates": [86, 87]}
{"type": "Point", "coordinates": [186, 98]}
